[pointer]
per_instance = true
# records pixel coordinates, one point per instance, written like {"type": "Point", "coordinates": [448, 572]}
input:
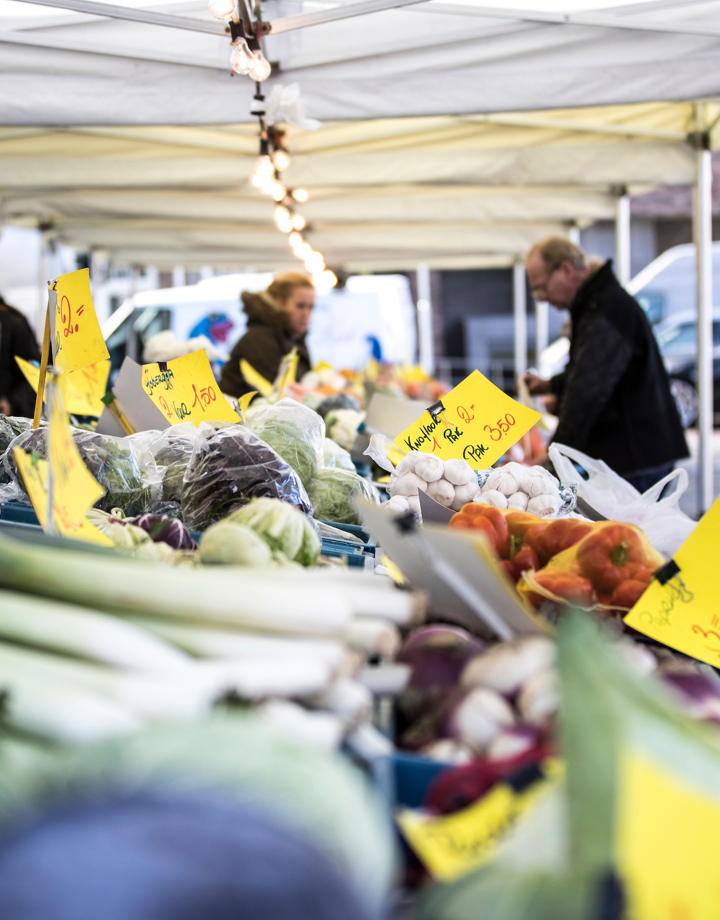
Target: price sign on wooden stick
{"type": "Point", "coordinates": [185, 390]}
{"type": "Point", "coordinates": [476, 422]}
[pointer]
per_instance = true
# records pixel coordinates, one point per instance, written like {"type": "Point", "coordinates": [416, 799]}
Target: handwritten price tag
{"type": "Point", "coordinates": [84, 389]}
{"type": "Point", "coordinates": [186, 391]}
{"type": "Point", "coordinates": [76, 337]}
{"type": "Point", "coordinates": [683, 613]}
{"type": "Point", "coordinates": [63, 479]}
{"type": "Point", "coordinates": [453, 845]}
{"type": "Point", "coordinates": [668, 835]}
{"type": "Point", "coordinates": [478, 424]}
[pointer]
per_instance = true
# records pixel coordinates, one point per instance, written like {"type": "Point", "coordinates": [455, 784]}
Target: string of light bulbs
{"type": "Point", "coordinates": [247, 58]}
{"type": "Point", "coordinates": [273, 160]}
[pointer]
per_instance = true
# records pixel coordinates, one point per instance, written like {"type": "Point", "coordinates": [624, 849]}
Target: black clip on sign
{"type": "Point", "coordinates": [437, 410]}
{"type": "Point", "coordinates": [666, 572]}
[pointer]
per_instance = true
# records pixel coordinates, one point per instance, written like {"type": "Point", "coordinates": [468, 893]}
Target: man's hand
{"type": "Point", "coordinates": [5, 408]}
{"type": "Point", "coordinates": [536, 385]}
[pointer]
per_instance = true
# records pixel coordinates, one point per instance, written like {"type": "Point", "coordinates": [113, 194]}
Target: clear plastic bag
{"type": "Point", "coordinates": [10, 427]}
{"type": "Point", "coordinates": [229, 467]}
{"type": "Point", "coordinates": [538, 491]}
{"type": "Point", "coordinates": [172, 452]}
{"type": "Point", "coordinates": [294, 432]}
{"type": "Point", "coordinates": [333, 493]}
{"type": "Point", "coordinates": [666, 526]}
{"type": "Point", "coordinates": [124, 467]}
{"type": "Point", "coordinates": [336, 457]}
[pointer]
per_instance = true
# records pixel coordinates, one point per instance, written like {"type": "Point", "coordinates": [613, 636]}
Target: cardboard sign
{"type": "Point", "coordinates": [668, 835]}
{"type": "Point", "coordinates": [185, 390]}
{"type": "Point", "coordinates": [76, 337]}
{"type": "Point", "coordinates": [83, 389]}
{"type": "Point", "coordinates": [453, 845]}
{"type": "Point", "coordinates": [262, 386]}
{"type": "Point", "coordinates": [683, 612]}
{"type": "Point", "coordinates": [458, 571]}
{"type": "Point", "coordinates": [476, 422]}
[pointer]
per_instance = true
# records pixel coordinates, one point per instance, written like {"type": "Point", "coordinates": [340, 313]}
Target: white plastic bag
{"type": "Point", "coordinates": [666, 526]}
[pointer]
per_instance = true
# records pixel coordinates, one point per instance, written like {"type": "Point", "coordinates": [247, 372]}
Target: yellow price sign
{"type": "Point", "coordinates": [186, 390]}
{"type": "Point", "coordinates": [76, 337]}
{"type": "Point", "coordinates": [61, 485]}
{"type": "Point", "coordinates": [667, 840]}
{"type": "Point", "coordinates": [458, 843]}
{"type": "Point", "coordinates": [84, 389]}
{"type": "Point", "coordinates": [680, 606]}
{"type": "Point", "coordinates": [254, 379]}
{"type": "Point", "coordinates": [476, 422]}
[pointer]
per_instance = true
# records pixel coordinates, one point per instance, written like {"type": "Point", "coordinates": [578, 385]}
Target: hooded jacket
{"type": "Point", "coordinates": [615, 402]}
{"type": "Point", "coordinates": [16, 338]}
{"type": "Point", "coordinates": [267, 340]}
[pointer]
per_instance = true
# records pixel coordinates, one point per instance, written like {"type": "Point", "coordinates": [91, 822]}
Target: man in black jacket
{"type": "Point", "coordinates": [614, 398]}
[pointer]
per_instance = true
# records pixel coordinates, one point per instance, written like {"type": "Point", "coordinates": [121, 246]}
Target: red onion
{"type": "Point", "coordinates": [164, 529]}
{"type": "Point", "coordinates": [438, 654]}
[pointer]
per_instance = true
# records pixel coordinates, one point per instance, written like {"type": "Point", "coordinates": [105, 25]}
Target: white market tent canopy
{"type": "Point", "coordinates": [455, 133]}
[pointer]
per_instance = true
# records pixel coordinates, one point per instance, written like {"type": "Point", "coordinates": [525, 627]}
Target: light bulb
{"type": "Point", "coordinates": [261, 69]}
{"type": "Point", "coordinates": [299, 194]}
{"type": "Point", "coordinates": [315, 262]}
{"type": "Point", "coordinates": [325, 280]}
{"type": "Point", "coordinates": [282, 213]}
{"type": "Point", "coordinates": [303, 251]}
{"type": "Point", "coordinates": [284, 226]}
{"type": "Point", "coordinates": [241, 58]}
{"type": "Point", "coordinates": [281, 160]}
{"type": "Point", "coordinates": [295, 240]}
{"type": "Point", "coordinates": [278, 191]}
{"type": "Point", "coordinates": [222, 9]}
{"type": "Point", "coordinates": [298, 222]}
{"type": "Point", "coordinates": [264, 173]}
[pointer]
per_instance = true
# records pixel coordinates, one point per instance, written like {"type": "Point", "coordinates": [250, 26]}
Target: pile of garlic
{"type": "Point", "coordinates": [523, 488]}
{"type": "Point", "coordinates": [451, 483]}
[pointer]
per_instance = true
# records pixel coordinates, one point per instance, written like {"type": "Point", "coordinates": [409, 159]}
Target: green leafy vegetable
{"type": "Point", "coordinates": [124, 467]}
{"type": "Point", "coordinates": [228, 543]}
{"type": "Point", "coordinates": [230, 466]}
{"type": "Point", "coordinates": [296, 433]}
{"type": "Point", "coordinates": [10, 427]}
{"type": "Point", "coordinates": [172, 452]}
{"type": "Point", "coordinates": [286, 530]}
{"type": "Point", "coordinates": [337, 457]}
{"type": "Point", "coordinates": [333, 493]}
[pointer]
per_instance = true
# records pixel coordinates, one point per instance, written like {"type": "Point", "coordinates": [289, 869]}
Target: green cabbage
{"type": "Point", "coordinates": [294, 432]}
{"type": "Point", "coordinates": [337, 457]}
{"type": "Point", "coordinates": [228, 543]}
{"type": "Point", "coordinates": [287, 531]}
{"type": "Point", "coordinates": [333, 493]}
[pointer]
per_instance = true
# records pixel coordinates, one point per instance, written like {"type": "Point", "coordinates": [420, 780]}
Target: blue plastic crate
{"type": "Point", "coordinates": [353, 529]}
{"type": "Point", "coordinates": [18, 514]}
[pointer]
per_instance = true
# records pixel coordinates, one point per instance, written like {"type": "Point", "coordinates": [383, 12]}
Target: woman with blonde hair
{"type": "Point", "coordinates": [278, 321]}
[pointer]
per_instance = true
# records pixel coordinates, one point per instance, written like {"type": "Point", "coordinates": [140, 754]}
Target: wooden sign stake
{"type": "Point", "coordinates": [43, 370]}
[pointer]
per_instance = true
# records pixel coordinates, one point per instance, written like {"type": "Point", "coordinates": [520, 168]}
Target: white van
{"type": "Point", "coordinates": [372, 316]}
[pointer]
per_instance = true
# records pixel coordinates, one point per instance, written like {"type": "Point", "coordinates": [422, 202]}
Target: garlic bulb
{"type": "Point", "coordinates": [493, 497]}
{"type": "Point", "coordinates": [442, 492]}
{"type": "Point", "coordinates": [459, 472]}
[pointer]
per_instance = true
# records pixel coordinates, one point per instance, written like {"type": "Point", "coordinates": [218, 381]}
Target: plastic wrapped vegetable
{"type": "Point", "coordinates": [229, 467]}
{"type": "Point", "coordinates": [333, 494]}
{"type": "Point", "coordinates": [337, 457]}
{"type": "Point", "coordinates": [124, 467]}
{"type": "Point", "coordinates": [10, 427]}
{"type": "Point", "coordinates": [172, 451]}
{"type": "Point", "coordinates": [228, 543]}
{"type": "Point", "coordinates": [286, 530]}
{"type": "Point", "coordinates": [296, 433]}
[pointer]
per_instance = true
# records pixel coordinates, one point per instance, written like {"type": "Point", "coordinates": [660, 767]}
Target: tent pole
{"type": "Point", "coordinates": [426, 356]}
{"type": "Point", "coordinates": [520, 317]}
{"type": "Point", "coordinates": [622, 238]}
{"type": "Point", "coordinates": [702, 231]}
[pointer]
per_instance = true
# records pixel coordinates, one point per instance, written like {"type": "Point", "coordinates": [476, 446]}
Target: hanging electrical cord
{"type": "Point", "coordinates": [247, 58]}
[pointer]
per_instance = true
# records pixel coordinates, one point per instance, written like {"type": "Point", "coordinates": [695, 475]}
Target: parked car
{"type": "Point", "coordinates": [677, 338]}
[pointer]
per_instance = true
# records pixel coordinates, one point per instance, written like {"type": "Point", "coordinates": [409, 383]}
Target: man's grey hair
{"type": "Point", "coordinates": [554, 250]}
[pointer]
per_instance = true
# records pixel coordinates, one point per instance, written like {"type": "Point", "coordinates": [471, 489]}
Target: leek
{"type": "Point", "coordinates": [239, 598]}
{"type": "Point", "coordinates": [84, 634]}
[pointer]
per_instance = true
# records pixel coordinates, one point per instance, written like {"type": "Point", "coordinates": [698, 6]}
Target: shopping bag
{"type": "Point", "coordinates": [606, 495]}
